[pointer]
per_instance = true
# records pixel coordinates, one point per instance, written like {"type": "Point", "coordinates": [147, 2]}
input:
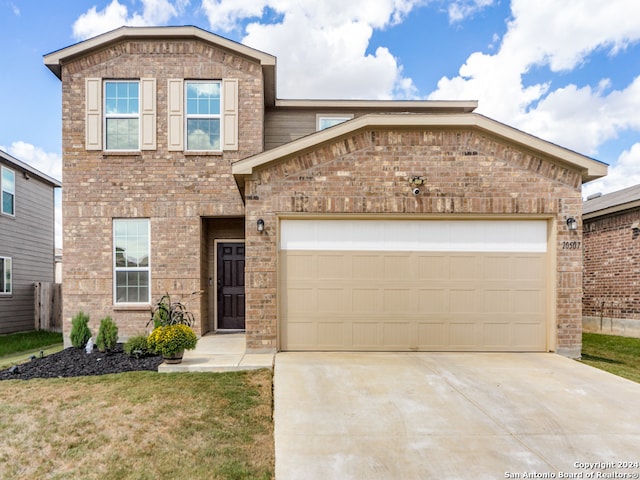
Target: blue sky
{"type": "Point", "coordinates": [569, 75]}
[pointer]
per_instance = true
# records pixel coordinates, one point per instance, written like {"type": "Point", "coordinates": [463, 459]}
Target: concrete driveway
{"type": "Point", "coordinates": [452, 416]}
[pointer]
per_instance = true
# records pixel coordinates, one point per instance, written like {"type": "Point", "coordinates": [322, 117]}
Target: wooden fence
{"type": "Point", "coordinates": [48, 306]}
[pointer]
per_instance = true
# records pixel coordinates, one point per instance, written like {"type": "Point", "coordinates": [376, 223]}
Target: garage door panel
{"type": "Point", "coordinates": [332, 266]}
{"type": "Point", "coordinates": [433, 267]}
{"type": "Point", "coordinates": [529, 301]}
{"type": "Point", "coordinates": [299, 267]}
{"type": "Point", "coordinates": [332, 334]}
{"type": "Point", "coordinates": [463, 301]}
{"type": "Point", "coordinates": [367, 266]}
{"type": "Point", "coordinates": [300, 300]}
{"type": "Point", "coordinates": [332, 300]}
{"type": "Point", "coordinates": [406, 297]}
{"type": "Point", "coordinates": [303, 334]}
{"type": "Point", "coordinates": [366, 301]}
{"type": "Point", "coordinates": [497, 301]}
{"type": "Point", "coordinates": [528, 268]}
{"type": "Point", "coordinates": [432, 335]}
{"type": "Point", "coordinates": [398, 335]}
{"type": "Point", "coordinates": [398, 268]}
{"type": "Point", "coordinates": [462, 335]}
{"type": "Point", "coordinates": [496, 335]}
{"type": "Point", "coordinates": [498, 268]}
{"type": "Point", "coordinates": [463, 268]}
{"type": "Point", "coordinates": [433, 300]}
{"type": "Point", "coordinates": [366, 335]}
{"type": "Point", "coordinates": [398, 301]}
{"type": "Point", "coordinates": [528, 334]}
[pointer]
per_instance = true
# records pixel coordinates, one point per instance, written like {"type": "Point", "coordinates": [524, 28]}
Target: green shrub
{"type": "Point", "coordinates": [137, 346]}
{"type": "Point", "coordinates": [80, 333]}
{"type": "Point", "coordinates": [107, 335]}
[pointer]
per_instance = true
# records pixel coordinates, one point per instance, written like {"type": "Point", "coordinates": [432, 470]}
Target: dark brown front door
{"type": "Point", "coordinates": [231, 286]}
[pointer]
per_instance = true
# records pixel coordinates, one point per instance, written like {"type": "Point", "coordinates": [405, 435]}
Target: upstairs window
{"type": "Point", "coordinates": [8, 188]}
{"type": "Point", "coordinates": [326, 121]}
{"type": "Point", "coordinates": [5, 276]}
{"type": "Point", "coordinates": [132, 272]}
{"type": "Point", "coordinates": [203, 116]}
{"type": "Point", "coordinates": [122, 115]}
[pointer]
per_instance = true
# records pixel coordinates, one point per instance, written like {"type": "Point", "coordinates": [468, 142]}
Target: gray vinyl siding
{"type": "Point", "coordinates": [28, 239]}
{"type": "Point", "coordinates": [284, 125]}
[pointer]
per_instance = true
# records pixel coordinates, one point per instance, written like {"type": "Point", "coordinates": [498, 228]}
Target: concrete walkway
{"type": "Point", "coordinates": [220, 353]}
{"type": "Point", "coordinates": [451, 416]}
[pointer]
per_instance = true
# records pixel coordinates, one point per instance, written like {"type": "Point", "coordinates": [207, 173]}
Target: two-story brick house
{"type": "Point", "coordinates": [311, 224]}
{"type": "Point", "coordinates": [27, 238]}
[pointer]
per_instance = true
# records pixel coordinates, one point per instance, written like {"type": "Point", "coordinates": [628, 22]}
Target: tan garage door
{"type": "Point", "coordinates": [402, 285]}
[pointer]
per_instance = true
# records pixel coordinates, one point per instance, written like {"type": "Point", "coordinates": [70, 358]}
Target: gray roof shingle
{"type": "Point", "coordinates": [627, 195]}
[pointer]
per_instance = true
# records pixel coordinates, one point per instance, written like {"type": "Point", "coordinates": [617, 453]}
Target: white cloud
{"type": "Point", "coordinates": [542, 35]}
{"type": "Point", "coordinates": [322, 46]}
{"type": "Point", "coordinates": [15, 9]}
{"type": "Point", "coordinates": [226, 15]}
{"type": "Point", "coordinates": [624, 173]}
{"type": "Point", "coordinates": [462, 9]}
{"type": "Point", "coordinates": [115, 15]}
{"type": "Point", "coordinates": [47, 163]}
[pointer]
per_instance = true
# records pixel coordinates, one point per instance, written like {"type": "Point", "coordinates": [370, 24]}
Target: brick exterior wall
{"type": "Point", "coordinates": [467, 173]}
{"type": "Point", "coordinates": [173, 189]}
{"type": "Point", "coordinates": [612, 266]}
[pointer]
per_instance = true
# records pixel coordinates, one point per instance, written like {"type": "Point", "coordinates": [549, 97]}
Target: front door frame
{"type": "Point", "coordinates": [215, 279]}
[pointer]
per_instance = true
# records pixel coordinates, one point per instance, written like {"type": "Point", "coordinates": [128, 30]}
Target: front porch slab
{"type": "Point", "coordinates": [220, 353]}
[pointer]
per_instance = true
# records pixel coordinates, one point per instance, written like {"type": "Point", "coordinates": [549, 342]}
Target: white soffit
{"type": "Point", "coordinates": [526, 236]}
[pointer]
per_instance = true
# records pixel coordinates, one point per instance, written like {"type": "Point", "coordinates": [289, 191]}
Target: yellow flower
{"type": "Point", "coordinates": [171, 339]}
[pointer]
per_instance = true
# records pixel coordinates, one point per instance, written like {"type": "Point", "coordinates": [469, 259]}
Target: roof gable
{"type": "Point", "coordinates": [589, 168]}
{"type": "Point", "coordinates": [55, 60]}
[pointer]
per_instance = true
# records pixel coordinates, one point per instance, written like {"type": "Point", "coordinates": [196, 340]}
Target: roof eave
{"type": "Point", "coordinates": [462, 106]}
{"type": "Point", "coordinates": [623, 207]}
{"type": "Point", "coordinates": [29, 169]}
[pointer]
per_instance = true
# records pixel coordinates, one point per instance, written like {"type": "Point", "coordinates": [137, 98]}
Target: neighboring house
{"type": "Point", "coordinates": [611, 235]}
{"type": "Point", "coordinates": [402, 225]}
{"type": "Point", "coordinates": [26, 240]}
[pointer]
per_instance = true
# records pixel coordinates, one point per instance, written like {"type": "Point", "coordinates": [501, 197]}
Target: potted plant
{"type": "Point", "coordinates": [167, 312]}
{"type": "Point", "coordinates": [171, 341]}
{"type": "Point", "coordinates": [172, 333]}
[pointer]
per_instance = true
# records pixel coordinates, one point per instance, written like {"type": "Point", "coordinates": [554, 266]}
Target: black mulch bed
{"type": "Point", "coordinates": [75, 362]}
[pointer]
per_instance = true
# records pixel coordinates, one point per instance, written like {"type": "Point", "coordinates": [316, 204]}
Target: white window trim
{"type": "Point", "coordinates": [188, 116]}
{"type": "Point", "coordinates": [2, 190]}
{"type": "Point", "coordinates": [121, 116]}
{"type": "Point", "coordinates": [4, 260]}
{"type": "Point", "coordinates": [331, 116]}
{"type": "Point", "coordinates": [130, 269]}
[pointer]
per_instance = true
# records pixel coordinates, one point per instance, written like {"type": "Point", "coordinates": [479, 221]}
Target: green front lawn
{"type": "Point", "coordinates": [617, 355]}
{"type": "Point", "coordinates": [139, 425]}
{"type": "Point", "coordinates": [26, 341]}
{"type": "Point", "coordinates": [17, 348]}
